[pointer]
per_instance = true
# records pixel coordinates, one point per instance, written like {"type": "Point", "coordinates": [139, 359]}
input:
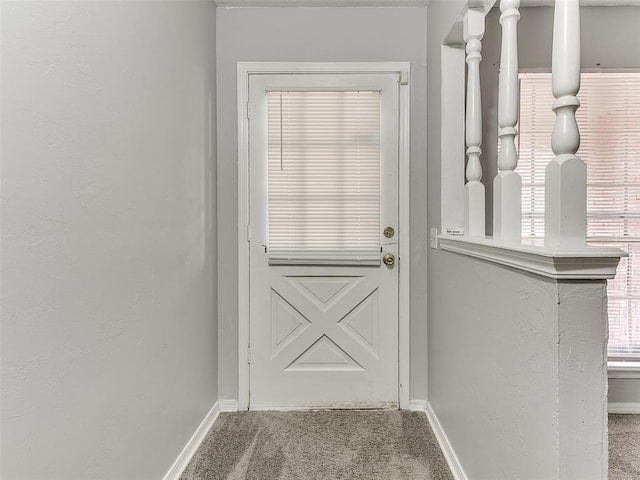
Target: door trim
{"type": "Point", "coordinates": [245, 69]}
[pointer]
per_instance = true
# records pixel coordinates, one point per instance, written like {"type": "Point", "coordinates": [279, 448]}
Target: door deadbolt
{"type": "Point", "coordinates": [388, 259]}
{"type": "Point", "coordinates": [389, 232]}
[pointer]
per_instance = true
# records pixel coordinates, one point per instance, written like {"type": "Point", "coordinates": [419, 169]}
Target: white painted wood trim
{"type": "Point", "coordinates": [279, 407]}
{"type": "Point", "coordinates": [417, 406]}
{"type": "Point", "coordinates": [321, 3]}
{"type": "Point", "coordinates": [447, 449]}
{"type": "Point", "coordinates": [404, 250]}
{"type": "Point", "coordinates": [267, 68]}
{"type": "Point", "coordinates": [583, 3]}
{"type": "Point", "coordinates": [334, 258]}
{"type": "Point", "coordinates": [243, 237]}
{"type": "Point", "coordinates": [577, 264]}
{"type": "Point", "coordinates": [400, 3]}
{"type": "Point", "coordinates": [452, 142]}
{"type": "Point", "coordinates": [585, 70]}
{"type": "Point", "coordinates": [228, 405]}
{"type": "Point", "coordinates": [474, 190]}
{"type": "Point", "coordinates": [192, 445]}
{"type": "Point", "coordinates": [275, 68]}
{"type": "Point", "coordinates": [625, 408]}
{"type": "Point", "coordinates": [623, 370]}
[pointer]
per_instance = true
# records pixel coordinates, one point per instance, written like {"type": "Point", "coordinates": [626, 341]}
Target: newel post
{"type": "Point", "coordinates": [566, 175]}
{"type": "Point", "coordinates": [474, 207]}
{"type": "Point", "coordinates": [507, 186]}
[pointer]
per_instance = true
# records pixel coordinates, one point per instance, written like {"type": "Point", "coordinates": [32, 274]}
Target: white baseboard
{"type": "Point", "coordinates": [228, 405]}
{"type": "Point", "coordinates": [192, 445]}
{"type": "Point", "coordinates": [417, 406]}
{"type": "Point", "coordinates": [445, 446]}
{"type": "Point", "coordinates": [614, 407]}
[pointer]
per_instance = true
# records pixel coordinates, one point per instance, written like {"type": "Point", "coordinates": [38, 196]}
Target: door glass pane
{"type": "Point", "coordinates": [324, 171]}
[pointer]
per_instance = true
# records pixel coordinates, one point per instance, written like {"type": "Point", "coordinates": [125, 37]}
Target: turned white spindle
{"type": "Point", "coordinates": [566, 174]}
{"type": "Point", "coordinates": [474, 190]}
{"type": "Point", "coordinates": [507, 186]}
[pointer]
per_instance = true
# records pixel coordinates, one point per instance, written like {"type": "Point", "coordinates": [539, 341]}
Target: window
{"type": "Point", "coordinates": [324, 171]}
{"type": "Point", "coordinates": [608, 118]}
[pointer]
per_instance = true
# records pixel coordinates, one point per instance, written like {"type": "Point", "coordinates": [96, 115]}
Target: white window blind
{"type": "Point", "coordinates": [324, 171]}
{"type": "Point", "coordinates": [609, 120]}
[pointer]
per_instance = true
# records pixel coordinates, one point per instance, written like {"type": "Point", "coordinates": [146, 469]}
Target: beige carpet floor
{"type": "Point", "coordinates": [358, 445]}
{"type": "Point", "coordinates": [323, 445]}
{"type": "Point", "coordinates": [624, 447]}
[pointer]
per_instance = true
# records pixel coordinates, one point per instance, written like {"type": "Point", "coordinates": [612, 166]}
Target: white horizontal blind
{"type": "Point", "coordinates": [324, 171]}
{"type": "Point", "coordinates": [609, 121]}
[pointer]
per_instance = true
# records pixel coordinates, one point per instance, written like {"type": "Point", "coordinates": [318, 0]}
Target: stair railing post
{"type": "Point", "coordinates": [474, 211]}
{"type": "Point", "coordinates": [507, 185]}
{"type": "Point", "coordinates": [566, 175]}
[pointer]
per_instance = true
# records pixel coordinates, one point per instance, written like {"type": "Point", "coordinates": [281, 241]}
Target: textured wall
{"type": "Point", "coordinates": [516, 364]}
{"type": "Point", "coordinates": [317, 35]}
{"type": "Point", "coordinates": [109, 335]}
{"type": "Point", "coordinates": [492, 374]}
{"type": "Point", "coordinates": [515, 361]}
{"type": "Point", "coordinates": [610, 39]}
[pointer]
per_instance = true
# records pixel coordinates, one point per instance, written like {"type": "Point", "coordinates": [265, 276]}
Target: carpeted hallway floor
{"type": "Point", "coordinates": [323, 445]}
{"type": "Point", "coordinates": [354, 445]}
{"type": "Point", "coordinates": [624, 447]}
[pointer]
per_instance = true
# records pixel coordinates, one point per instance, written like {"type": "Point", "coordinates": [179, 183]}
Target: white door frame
{"type": "Point", "coordinates": [245, 69]}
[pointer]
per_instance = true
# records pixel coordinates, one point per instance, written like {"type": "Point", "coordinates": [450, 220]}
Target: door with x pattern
{"type": "Point", "coordinates": [324, 240]}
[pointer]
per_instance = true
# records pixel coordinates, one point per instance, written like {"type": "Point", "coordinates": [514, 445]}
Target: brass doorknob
{"type": "Point", "coordinates": [388, 259]}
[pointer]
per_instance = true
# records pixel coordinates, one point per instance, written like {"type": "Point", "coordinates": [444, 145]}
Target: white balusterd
{"type": "Point", "coordinates": [474, 210]}
{"type": "Point", "coordinates": [507, 186]}
{"type": "Point", "coordinates": [566, 174]}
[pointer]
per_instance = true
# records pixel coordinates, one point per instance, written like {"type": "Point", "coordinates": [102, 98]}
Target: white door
{"type": "Point", "coordinates": [323, 160]}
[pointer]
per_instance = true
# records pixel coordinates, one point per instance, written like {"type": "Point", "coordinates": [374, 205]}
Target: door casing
{"type": "Point", "coordinates": [245, 69]}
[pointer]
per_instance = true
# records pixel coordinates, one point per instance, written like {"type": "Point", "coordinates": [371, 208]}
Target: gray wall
{"type": "Point", "coordinates": [515, 365]}
{"type": "Point", "coordinates": [442, 15]}
{"type": "Point", "coordinates": [479, 347]}
{"type": "Point", "coordinates": [610, 39]}
{"type": "Point", "coordinates": [497, 381]}
{"type": "Point", "coordinates": [317, 35]}
{"type": "Point", "coordinates": [109, 335]}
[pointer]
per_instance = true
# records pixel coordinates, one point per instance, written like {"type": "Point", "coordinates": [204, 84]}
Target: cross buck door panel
{"type": "Point", "coordinates": [324, 240]}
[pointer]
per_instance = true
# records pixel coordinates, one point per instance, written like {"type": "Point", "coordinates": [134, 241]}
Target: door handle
{"type": "Point", "coordinates": [388, 259]}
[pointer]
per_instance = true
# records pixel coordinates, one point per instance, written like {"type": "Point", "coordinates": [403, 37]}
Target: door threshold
{"type": "Point", "coordinates": [333, 406]}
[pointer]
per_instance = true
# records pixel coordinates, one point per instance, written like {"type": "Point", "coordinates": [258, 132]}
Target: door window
{"type": "Point", "coordinates": [324, 171]}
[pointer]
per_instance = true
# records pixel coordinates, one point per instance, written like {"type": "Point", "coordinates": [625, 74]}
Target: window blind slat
{"type": "Point", "coordinates": [324, 171]}
{"type": "Point", "coordinates": [608, 118]}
